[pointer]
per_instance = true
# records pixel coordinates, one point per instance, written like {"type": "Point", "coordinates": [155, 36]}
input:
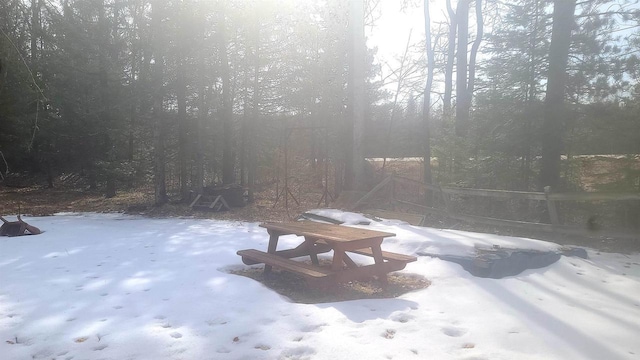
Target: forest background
{"type": "Point", "coordinates": [183, 94]}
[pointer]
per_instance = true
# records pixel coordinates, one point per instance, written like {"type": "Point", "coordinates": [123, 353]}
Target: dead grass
{"type": "Point", "coordinates": [39, 201]}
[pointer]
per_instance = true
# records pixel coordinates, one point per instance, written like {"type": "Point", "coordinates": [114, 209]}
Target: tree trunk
{"type": "Point", "coordinates": [357, 92]}
{"type": "Point", "coordinates": [199, 131]}
{"type": "Point", "coordinates": [462, 109]}
{"type": "Point", "coordinates": [134, 79]}
{"type": "Point", "coordinates": [530, 99]}
{"type": "Point", "coordinates": [183, 129]}
{"type": "Point", "coordinates": [35, 32]}
{"type": "Point", "coordinates": [554, 111]}
{"type": "Point", "coordinates": [227, 103]}
{"type": "Point", "coordinates": [451, 52]}
{"type": "Point", "coordinates": [244, 124]}
{"type": "Point", "coordinates": [160, 128]}
{"type": "Point", "coordinates": [474, 54]}
{"type": "Point", "coordinates": [105, 100]}
{"type": "Point", "coordinates": [253, 142]}
{"type": "Point", "coordinates": [426, 109]}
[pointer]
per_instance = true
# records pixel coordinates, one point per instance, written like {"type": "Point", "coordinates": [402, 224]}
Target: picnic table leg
{"type": "Point", "coordinates": [310, 244]}
{"type": "Point", "coordinates": [379, 259]}
{"type": "Point", "coordinates": [273, 243]}
{"type": "Point", "coordinates": [338, 258]}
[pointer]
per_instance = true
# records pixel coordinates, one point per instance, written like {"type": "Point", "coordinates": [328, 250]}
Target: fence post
{"type": "Point", "coordinates": [551, 206]}
{"type": "Point", "coordinates": [447, 201]}
{"type": "Point", "coordinates": [393, 186]}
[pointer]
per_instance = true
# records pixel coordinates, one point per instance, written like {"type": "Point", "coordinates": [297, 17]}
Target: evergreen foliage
{"type": "Point", "coordinates": [128, 93]}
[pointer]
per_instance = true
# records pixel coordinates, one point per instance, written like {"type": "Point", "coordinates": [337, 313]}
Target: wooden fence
{"type": "Point", "coordinates": [388, 185]}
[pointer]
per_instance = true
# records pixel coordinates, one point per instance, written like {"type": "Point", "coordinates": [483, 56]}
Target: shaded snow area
{"type": "Point", "coordinates": [97, 286]}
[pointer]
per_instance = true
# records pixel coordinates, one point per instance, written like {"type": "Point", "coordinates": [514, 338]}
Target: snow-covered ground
{"type": "Point", "coordinates": [97, 286]}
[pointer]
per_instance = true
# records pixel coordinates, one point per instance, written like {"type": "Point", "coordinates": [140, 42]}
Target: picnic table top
{"type": "Point", "coordinates": [329, 232]}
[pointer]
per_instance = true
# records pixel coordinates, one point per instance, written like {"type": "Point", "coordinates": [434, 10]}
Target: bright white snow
{"type": "Point", "coordinates": [97, 286]}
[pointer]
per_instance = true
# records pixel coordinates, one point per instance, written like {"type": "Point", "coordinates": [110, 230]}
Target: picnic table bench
{"type": "Point", "coordinates": [322, 238]}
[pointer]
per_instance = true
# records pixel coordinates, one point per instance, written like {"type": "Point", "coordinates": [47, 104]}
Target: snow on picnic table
{"type": "Point", "coordinates": [111, 286]}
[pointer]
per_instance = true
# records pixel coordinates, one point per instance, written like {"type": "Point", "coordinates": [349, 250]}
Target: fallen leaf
{"type": "Point", "coordinates": [81, 339]}
{"type": "Point", "coordinates": [236, 339]}
{"type": "Point", "coordinates": [10, 342]}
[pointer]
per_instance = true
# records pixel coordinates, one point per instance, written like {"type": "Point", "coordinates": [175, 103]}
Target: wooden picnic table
{"type": "Point", "coordinates": [321, 238]}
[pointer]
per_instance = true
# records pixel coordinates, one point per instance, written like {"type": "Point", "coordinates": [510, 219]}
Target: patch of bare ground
{"type": "Point", "coordinates": [38, 201]}
{"type": "Point", "coordinates": [42, 201]}
{"type": "Point", "coordinates": [299, 291]}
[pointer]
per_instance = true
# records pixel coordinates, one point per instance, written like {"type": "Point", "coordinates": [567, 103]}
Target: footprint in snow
{"type": "Point", "coordinates": [100, 347]}
{"type": "Point", "coordinates": [118, 307]}
{"type": "Point", "coordinates": [313, 328]}
{"type": "Point", "coordinates": [402, 318]}
{"type": "Point", "coordinates": [175, 335]}
{"type": "Point", "coordinates": [160, 317]}
{"type": "Point", "coordinates": [389, 334]}
{"type": "Point", "coordinates": [104, 294]}
{"type": "Point", "coordinates": [453, 331]}
{"type": "Point", "coordinates": [302, 352]}
{"type": "Point", "coordinates": [179, 351]}
{"type": "Point", "coordinates": [42, 354]}
{"type": "Point", "coordinates": [267, 321]}
{"type": "Point", "coordinates": [216, 322]}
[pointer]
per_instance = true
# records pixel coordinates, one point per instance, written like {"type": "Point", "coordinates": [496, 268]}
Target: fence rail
{"type": "Point", "coordinates": [548, 197]}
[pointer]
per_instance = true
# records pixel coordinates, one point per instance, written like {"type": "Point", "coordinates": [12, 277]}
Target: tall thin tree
{"type": "Point", "coordinates": [426, 107]}
{"type": "Point", "coordinates": [357, 91]}
{"type": "Point", "coordinates": [228, 159]}
{"type": "Point", "coordinates": [157, 13]}
{"type": "Point", "coordinates": [554, 113]}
